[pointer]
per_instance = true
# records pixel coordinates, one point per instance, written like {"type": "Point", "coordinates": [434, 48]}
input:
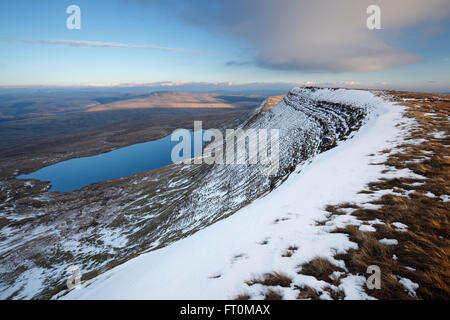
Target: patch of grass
{"type": "Point", "coordinates": [307, 293]}
{"type": "Point", "coordinates": [289, 251]}
{"type": "Point", "coordinates": [336, 294]}
{"type": "Point", "coordinates": [272, 295]}
{"type": "Point", "coordinates": [319, 268]}
{"type": "Point", "coordinates": [272, 279]}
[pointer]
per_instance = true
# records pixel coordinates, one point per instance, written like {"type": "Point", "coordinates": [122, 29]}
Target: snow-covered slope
{"type": "Point", "coordinates": [216, 262]}
{"type": "Point", "coordinates": [310, 121]}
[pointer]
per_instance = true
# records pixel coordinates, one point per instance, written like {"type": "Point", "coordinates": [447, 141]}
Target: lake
{"type": "Point", "coordinates": [79, 172]}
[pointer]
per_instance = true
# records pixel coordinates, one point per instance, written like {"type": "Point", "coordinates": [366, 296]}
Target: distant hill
{"type": "Point", "coordinates": [170, 99]}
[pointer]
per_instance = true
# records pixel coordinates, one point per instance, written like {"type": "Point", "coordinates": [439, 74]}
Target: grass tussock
{"type": "Point", "coordinates": [289, 251]}
{"type": "Point", "coordinates": [269, 280]}
{"type": "Point", "coordinates": [319, 268]}
{"type": "Point", "coordinates": [272, 279]}
{"type": "Point", "coordinates": [308, 293]}
{"type": "Point", "coordinates": [272, 295]}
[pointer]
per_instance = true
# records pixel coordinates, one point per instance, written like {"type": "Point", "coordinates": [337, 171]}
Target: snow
{"type": "Point", "coordinates": [440, 135]}
{"type": "Point", "coordinates": [232, 247]}
{"type": "Point", "coordinates": [371, 206]}
{"type": "Point", "coordinates": [367, 228]}
{"type": "Point", "coordinates": [352, 286]}
{"type": "Point", "coordinates": [408, 285]}
{"type": "Point", "coordinates": [28, 184]}
{"type": "Point", "coordinates": [410, 99]}
{"type": "Point", "coordinates": [34, 282]}
{"type": "Point", "coordinates": [400, 226]}
{"type": "Point", "coordinates": [389, 242]}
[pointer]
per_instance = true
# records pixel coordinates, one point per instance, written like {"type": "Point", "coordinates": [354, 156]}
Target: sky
{"type": "Point", "coordinates": [228, 43]}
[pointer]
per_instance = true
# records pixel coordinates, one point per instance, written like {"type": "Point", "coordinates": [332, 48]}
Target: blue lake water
{"type": "Point", "coordinates": [76, 173]}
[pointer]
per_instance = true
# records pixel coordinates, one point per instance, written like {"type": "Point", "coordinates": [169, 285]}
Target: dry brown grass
{"type": "Point", "coordinates": [272, 279]}
{"type": "Point", "coordinates": [307, 293]}
{"type": "Point", "coordinates": [269, 280]}
{"type": "Point", "coordinates": [372, 252]}
{"type": "Point", "coordinates": [319, 268]}
{"type": "Point", "coordinates": [271, 102]}
{"type": "Point", "coordinates": [289, 251]}
{"type": "Point", "coordinates": [272, 295]}
{"type": "Point", "coordinates": [425, 246]}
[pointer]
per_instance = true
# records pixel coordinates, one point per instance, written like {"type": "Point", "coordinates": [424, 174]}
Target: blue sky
{"type": "Point", "coordinates": [221, 42]}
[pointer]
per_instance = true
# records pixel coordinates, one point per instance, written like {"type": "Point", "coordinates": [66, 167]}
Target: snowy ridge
{"type": "Point", "coordinates": [308, 124]}
{"type": "Point", "coordinates": [217, 261]}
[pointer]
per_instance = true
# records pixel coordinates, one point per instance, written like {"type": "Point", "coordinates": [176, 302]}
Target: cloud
{"type": "Point", "coordinates": [98, 44]}
{"type": "Point", "coordinates": [236, 63]}
{"type": "Point", "coordinates": [314, 35]}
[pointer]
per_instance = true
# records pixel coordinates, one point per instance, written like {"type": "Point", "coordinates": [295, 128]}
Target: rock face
{"type": "Point", "coordinates": [101, 226]}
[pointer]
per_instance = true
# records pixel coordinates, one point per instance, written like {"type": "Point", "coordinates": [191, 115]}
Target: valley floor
{"type": "Point", "coordinates": [380, 198]}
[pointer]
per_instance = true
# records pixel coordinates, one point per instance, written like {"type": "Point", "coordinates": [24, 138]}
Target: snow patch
{"type": "Point", "coordinates": [400, 226]}
{"type": "Point", "coordinates": [367, 228]}
{"type": "Point", "coordinates": [409, 286]}
{"type": "Point", "coordinates": [389, 242]}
